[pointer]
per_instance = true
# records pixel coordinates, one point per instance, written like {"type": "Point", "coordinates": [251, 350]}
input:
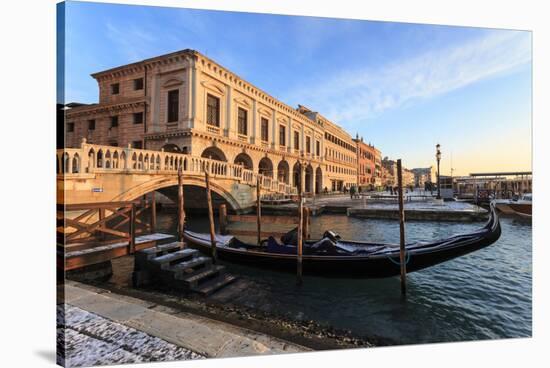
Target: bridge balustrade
{"type": "Point", "coordinates": [92, 158]}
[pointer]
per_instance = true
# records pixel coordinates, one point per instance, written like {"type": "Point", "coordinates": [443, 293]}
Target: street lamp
{"type": "Point", "coordinates": [438, 158]}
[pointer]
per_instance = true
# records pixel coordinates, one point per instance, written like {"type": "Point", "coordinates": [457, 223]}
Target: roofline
{"type": "Point", "coordinates": [144, 61]}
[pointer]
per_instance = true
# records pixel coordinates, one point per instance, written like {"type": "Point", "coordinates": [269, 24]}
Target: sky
{"type": "Point", "coordinates": [402, 87]}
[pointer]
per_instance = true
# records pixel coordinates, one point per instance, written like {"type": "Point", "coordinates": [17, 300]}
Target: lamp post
{"type": "Point", "coordinates": [438, 158]}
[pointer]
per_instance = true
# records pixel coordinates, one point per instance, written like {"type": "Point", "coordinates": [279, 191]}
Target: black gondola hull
{"type": "Point", "coordinates": [360, 266]}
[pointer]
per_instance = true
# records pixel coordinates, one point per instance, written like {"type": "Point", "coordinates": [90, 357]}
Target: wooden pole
{"type": "Point", "coordinates": [181, 210]}
{"type": "Point", "coordinates": [223, 219]}
{"type": "Point", "coordinates": [401, 229]}
{"type": "Point", "coordinates": [133, 229]}
{"type": "Point", "coordinates": [153, 212]}
{"type": "Point", "coordinates": [258, 210]}
{"type": "Point", "coordinates": [306, 222]}
{"type": "Point", "coordinates": [300, 230]}
{"type": "Point", "coordinates": [210, 217]}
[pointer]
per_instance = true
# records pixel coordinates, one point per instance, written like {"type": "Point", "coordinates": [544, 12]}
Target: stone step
{"type": "Point", "coordinates": [194, 279]}
{"type": "Point", "coordinates": [170, 259]}
{"type": "Point", "coordinates": [161, 249]}
{"type": "Point", "coordinates": [142, 256]}
{"type": "Point", "coordinates": [182, 269]}
{"type": "Point", "coordinates": [214, 285]}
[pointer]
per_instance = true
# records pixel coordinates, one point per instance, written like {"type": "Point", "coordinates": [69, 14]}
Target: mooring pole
{"type": "Point", "coordinates": [258, 210]}
{"type": "Point", "coordinates": [210, 216]}
{"type": "Point", "coordinates": [223, 219]}
{"type": "Point", "coordinates": [181, 210]}
{"type": "Point", "coordinates": [401, 229]}
{"type": "Point", "coordinates": [153, 212]}
{"type": "Point", "coordinates": [133, 228]}
{"type": "Point", "coordinates": [300, 230]}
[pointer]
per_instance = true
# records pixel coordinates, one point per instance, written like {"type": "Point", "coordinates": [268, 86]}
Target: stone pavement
{"type": "Point", "coordinates": [197, 336]}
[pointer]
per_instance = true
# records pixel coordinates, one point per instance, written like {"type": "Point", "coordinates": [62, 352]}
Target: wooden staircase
{"type": "Point", "coordinates": [180, 268]}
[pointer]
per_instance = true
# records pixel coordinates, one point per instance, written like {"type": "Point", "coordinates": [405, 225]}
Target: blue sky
{"type": "Point", "coordinates": [403, 87]}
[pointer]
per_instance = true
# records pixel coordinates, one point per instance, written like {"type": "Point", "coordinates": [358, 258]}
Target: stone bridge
{"type": "Point", "coordinates": [98, 173]}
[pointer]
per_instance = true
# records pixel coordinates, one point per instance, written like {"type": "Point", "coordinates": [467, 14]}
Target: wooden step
{"type": "Point", "coordinates": [214, 285]}
{"type": "Point", "coordinates": [180, 269]}
{"type": "Point", "coordinates": [194, 279]}
{"type": "Point", "coordinates": [171, 259]}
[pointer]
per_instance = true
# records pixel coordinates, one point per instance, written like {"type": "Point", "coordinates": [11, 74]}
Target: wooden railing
{"type": "Point", "coordinates": [103, 223]}
{"type": "Point", "coordinates": [92, 158]}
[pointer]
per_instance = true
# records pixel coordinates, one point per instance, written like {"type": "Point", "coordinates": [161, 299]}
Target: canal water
{"type": "Point", "coordinates": [483, 295]}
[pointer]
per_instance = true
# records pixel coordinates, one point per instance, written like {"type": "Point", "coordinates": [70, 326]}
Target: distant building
{"type": "Point", "coordinates": [423, 176]}
{"type": "Point", "coordinates": [366, 164]}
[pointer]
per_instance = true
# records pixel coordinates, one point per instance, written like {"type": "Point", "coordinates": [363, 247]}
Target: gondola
{"type": "Point", "coordinates": [334, 257]}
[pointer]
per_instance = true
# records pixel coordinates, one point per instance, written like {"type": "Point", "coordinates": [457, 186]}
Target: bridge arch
{"type": "Point", "coordinates": [170, 181]}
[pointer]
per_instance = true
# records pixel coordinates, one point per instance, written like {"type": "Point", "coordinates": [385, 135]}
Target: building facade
{"type": "Point", "coordinates": [366, 165]}
{"type": "Point", "coordinates": [424, 176]}
{"type": "Point", "coordinates": [186, 102]}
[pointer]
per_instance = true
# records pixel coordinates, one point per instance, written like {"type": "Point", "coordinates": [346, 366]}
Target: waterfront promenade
{"type": "Point", "coordinates": [381, 205]}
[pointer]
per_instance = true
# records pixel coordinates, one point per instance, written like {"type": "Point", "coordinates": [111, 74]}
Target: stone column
{"type": "Point", "coordinates": [228, 129]}
{"type": "Point", "coordinates": [274, 137]}
{"type": "Point", "coordinates": [290, 144]}
{"type": "Point", "coordinates": [254, 123]}
{"type": "Point", "coordinates": [155, 102]}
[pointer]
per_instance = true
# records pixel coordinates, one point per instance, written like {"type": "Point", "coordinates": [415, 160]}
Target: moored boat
{"type": "Point", "coordinates": [522, 207]}
{"type": "Point", "coordinates": [333, 257]}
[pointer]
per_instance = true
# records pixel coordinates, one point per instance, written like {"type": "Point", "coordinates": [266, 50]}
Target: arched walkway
{"type": "Point", "coordinates": [214, 153]}
{"type": "Point", "coordinates": [308, 181]}
{"type": "Point", "coordinates": [318, 180]}
{"type": "Point", "coordinates": [244, 160]}
{"type": "Point", "coordinates": [170, 147]}
{"type": "Point", "coordinates": [283, 172]}
{"type": "Point", "coordinates": [296, 175]}
{"type": "Point", "coordinates": [265, 167]}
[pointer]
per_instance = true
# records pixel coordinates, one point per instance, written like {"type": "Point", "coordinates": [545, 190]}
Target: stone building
{"type": "Point", "coordinates": [186, 102]}
{"type": "Point", "coordinates": [366, 165]}
{"type": "Point", "coordinates": [422, 176]}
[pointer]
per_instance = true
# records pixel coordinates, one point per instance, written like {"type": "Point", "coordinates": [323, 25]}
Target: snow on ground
{"type": "Point", "coordinates": [94, 340]}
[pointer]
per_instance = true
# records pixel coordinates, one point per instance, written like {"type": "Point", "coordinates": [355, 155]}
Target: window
{"type": "Point", "coordinates": [282, 135]}
{"type": "Point", "coordinates": [212, 110]}
{"type": "Point", "coordinates": [113, 143]}
{"type": "Point", "coordinates": [265, 129]}
{"type": "Point", "coordinates": [138, 84]}
{"type": "Point", "coordinates": [317, 148]}
{"type": "Point", "coordinates": [115, 88]}
{"type": "Point", "coordinates": [308, 144]}
{"type": "Point", "coordinates": [114, 121]}
{"type": "Point", "coordinates": [137, 144]}
{"type": "Point", "coordinates": [242, 121]}
{"type": "Point", "coordinates": [173, 105]}
{"type": "Point", "coordinates": [138, 117]}
{"type": "Point", "coordinates": [70, 127]}
{"type": "Point", "coordinates": [91, 124]}
{"type": "Point", "coordinates": [296, 140]}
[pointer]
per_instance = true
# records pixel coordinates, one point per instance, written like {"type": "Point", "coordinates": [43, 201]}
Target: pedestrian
{"type": "Point", "coordinates": [352, 192]}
